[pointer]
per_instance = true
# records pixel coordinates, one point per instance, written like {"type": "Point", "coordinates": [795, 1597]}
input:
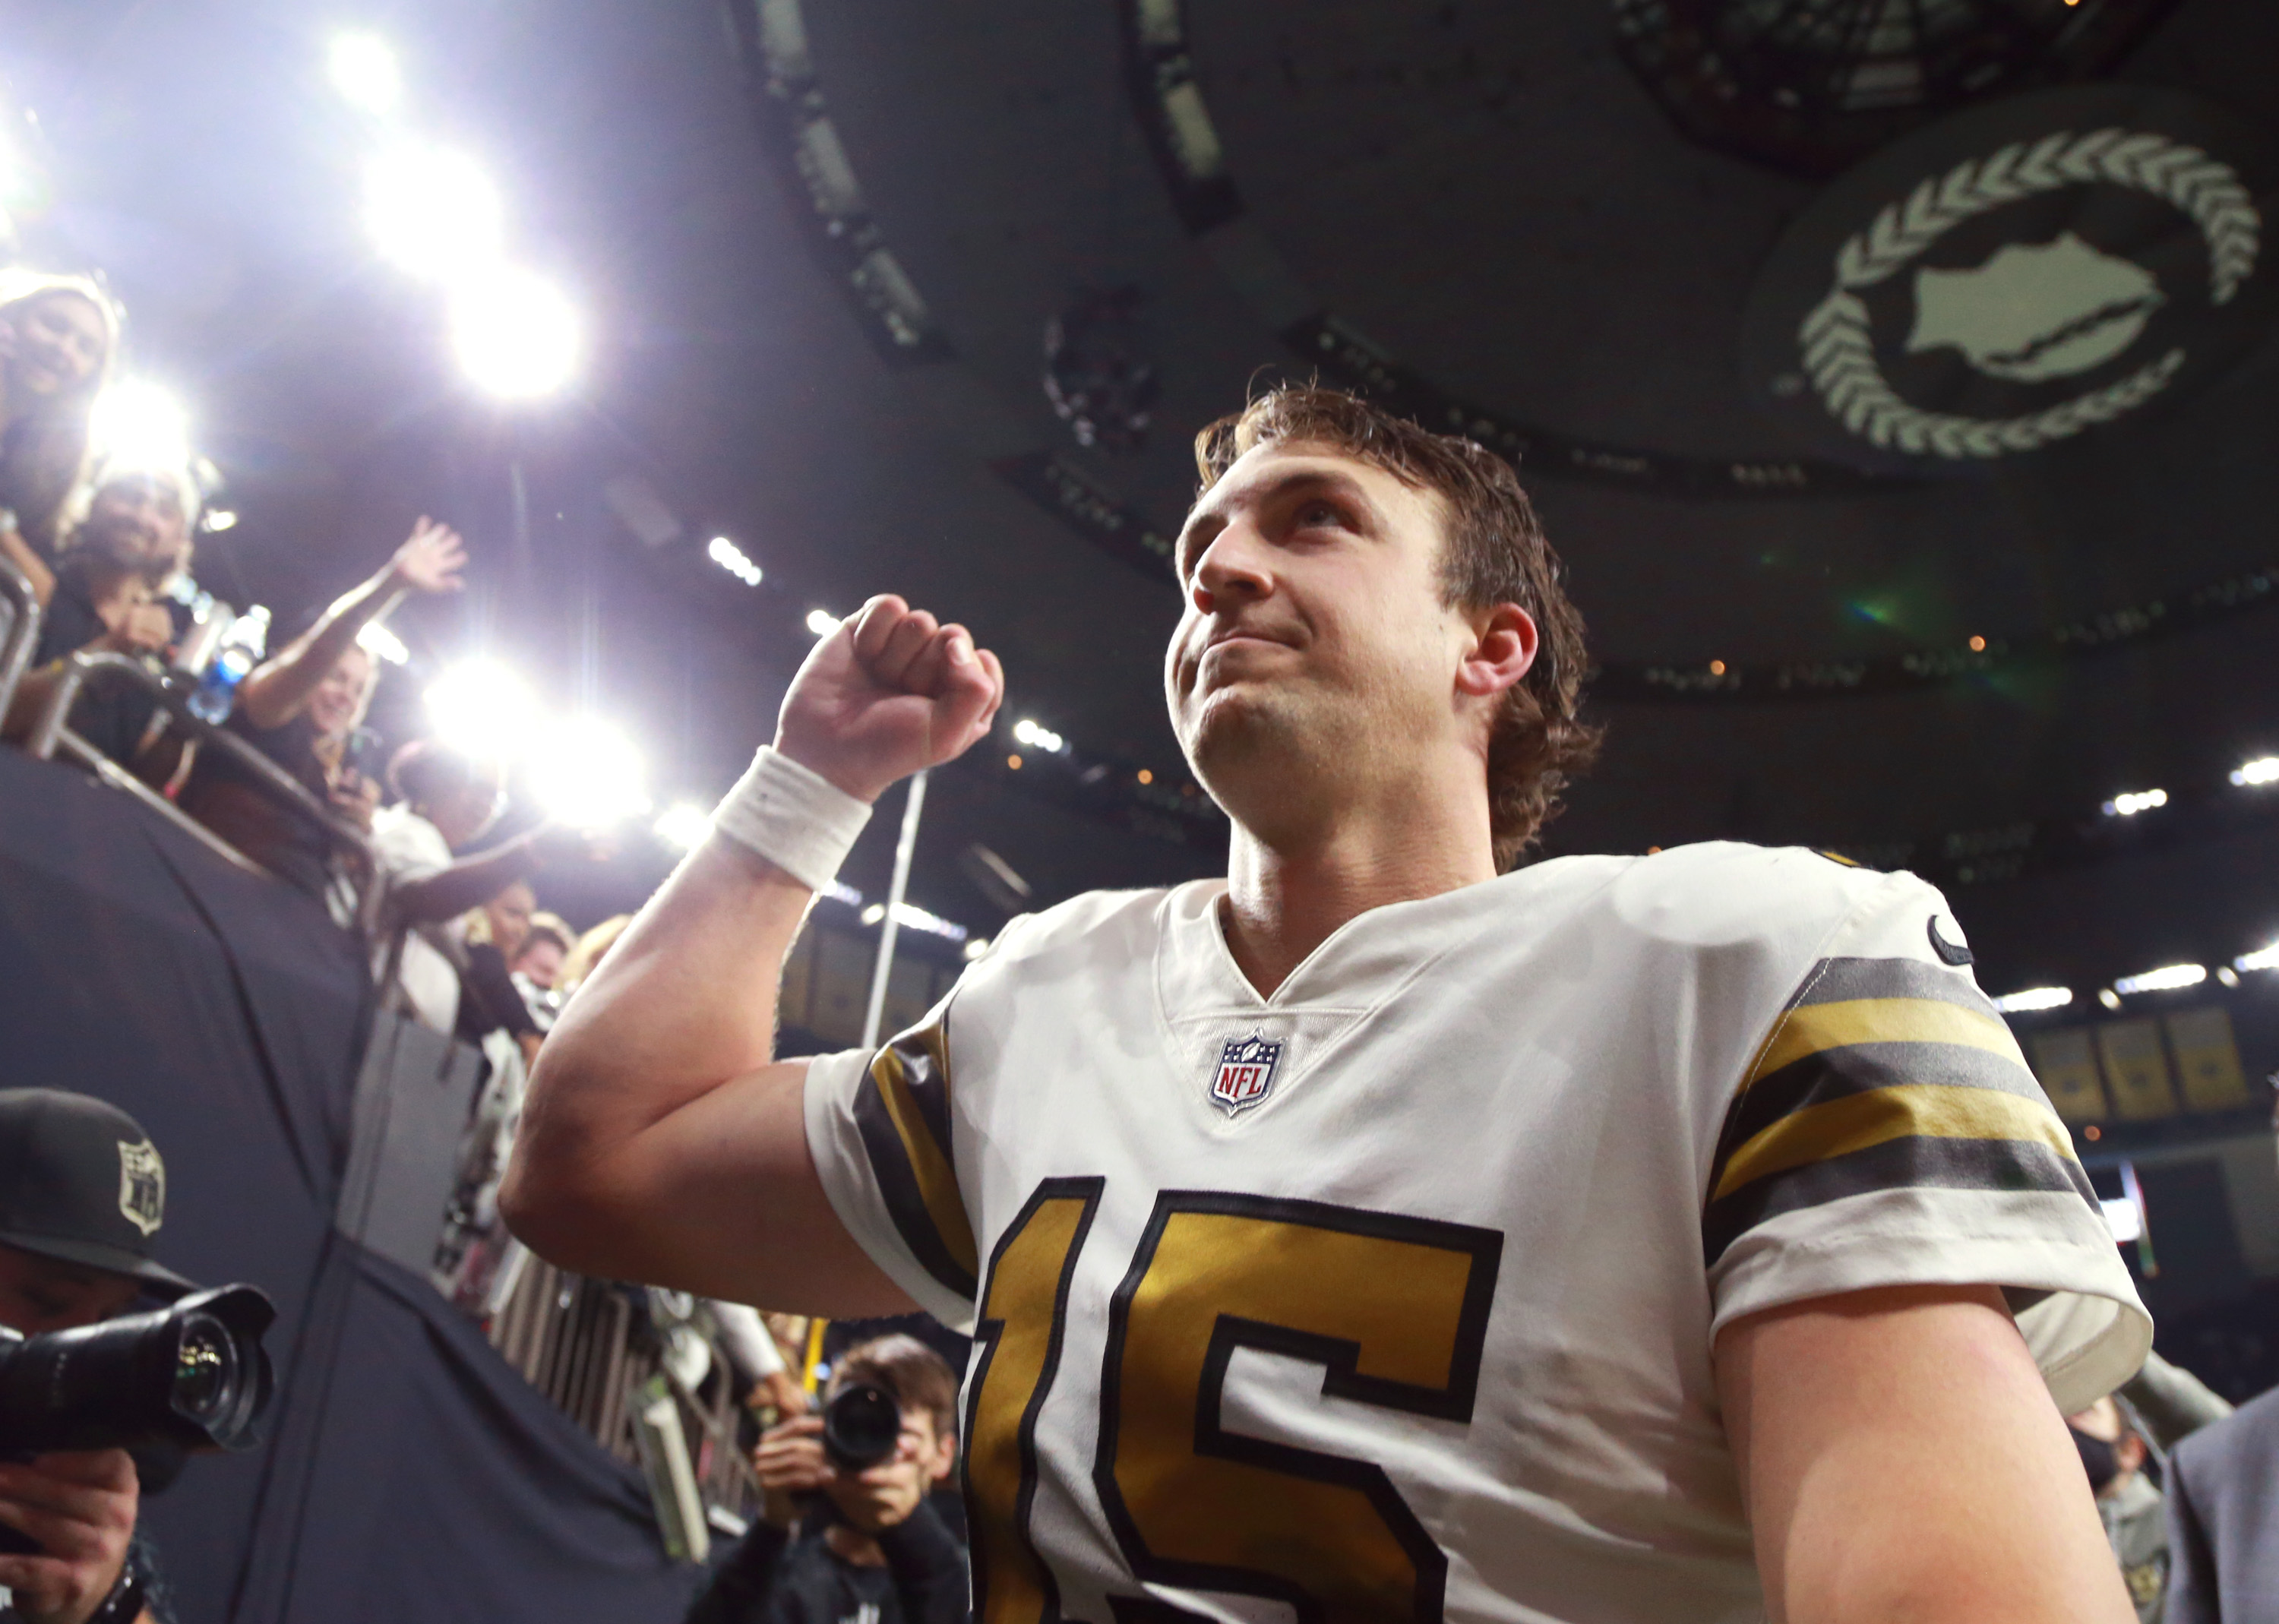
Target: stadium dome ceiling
{"type": "Point", "coordinates": [1494, 198]}
{"type": "Point", "coordinates": [1489, 194]}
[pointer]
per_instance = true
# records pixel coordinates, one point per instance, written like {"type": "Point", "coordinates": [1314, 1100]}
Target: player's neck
{"type": "Point", "coordinates": [1284, 900]}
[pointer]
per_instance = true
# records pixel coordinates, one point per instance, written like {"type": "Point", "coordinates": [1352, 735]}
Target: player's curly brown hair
{"type": "Point", "coordinates": [1497, 553]}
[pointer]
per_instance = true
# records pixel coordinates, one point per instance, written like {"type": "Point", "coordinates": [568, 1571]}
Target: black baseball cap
{"type": "Point", "coordinates": [82, 1182]}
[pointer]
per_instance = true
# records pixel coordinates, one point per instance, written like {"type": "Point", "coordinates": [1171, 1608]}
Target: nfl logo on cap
{"type": "Point", "coordinates": [1246, 1074]}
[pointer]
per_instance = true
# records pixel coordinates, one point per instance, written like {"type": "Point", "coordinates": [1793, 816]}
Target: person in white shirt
{"type": "Point", "coordinates": [1387, 1232]}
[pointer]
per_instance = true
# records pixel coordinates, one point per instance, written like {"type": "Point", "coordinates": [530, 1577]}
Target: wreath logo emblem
{"type": "Point", "coordinates": [2030, 313]}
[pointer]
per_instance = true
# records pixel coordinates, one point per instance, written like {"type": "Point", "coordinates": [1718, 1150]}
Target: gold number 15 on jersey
{"type": "Point", "coordinates": [1395, 1309]}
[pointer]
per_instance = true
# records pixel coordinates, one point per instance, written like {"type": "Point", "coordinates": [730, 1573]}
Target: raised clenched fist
{"type": "Point", "coordinates": [890, 693]}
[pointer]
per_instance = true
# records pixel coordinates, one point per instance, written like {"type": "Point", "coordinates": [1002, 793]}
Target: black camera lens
{"type": "Point", "coordinates": [862, 1425]}
{"type": "Point", "coordinates": [205, 1372]}
{"type": "Point", "coordinates": [193, 1376]}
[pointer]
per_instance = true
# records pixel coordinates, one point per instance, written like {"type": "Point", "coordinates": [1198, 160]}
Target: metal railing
{"type": "Point", "coordinates": [584, 1343]}
{"type": "Point", "coordinates": [52, 734]}
{"type": "Point", "coordinates": [587, 1346]}
{"type": "Point", "coordinates": [21, 633]}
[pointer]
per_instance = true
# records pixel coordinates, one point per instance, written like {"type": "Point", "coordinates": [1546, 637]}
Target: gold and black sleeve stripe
{"type": "Point", "coordinates": [1882, 1074]}
{"type": "Point", "coordinates": [902, 1113]}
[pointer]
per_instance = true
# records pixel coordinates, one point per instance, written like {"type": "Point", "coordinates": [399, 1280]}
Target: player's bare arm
{"type": "Point", "coordinates": [1901, 1459]}
{"type": "Point", "coordinates": [662, 1140]}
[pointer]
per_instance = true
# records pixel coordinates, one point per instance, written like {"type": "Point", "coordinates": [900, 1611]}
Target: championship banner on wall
{"type": "Point", "coordinates": [2018, 275]}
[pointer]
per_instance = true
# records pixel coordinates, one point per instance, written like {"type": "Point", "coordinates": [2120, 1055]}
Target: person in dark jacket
{"type": "Point", "coordinates": [2224, 1520]}
{"type": "Point", "coordinates": [838, 1547]}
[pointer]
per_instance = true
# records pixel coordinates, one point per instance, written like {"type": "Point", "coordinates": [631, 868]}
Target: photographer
{"type": "Point", "coordinates": [82, 1192]}
{"type": "Point", "coordinates": [839, 1542]}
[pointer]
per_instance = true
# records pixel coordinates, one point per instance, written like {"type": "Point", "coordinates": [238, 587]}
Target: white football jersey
{"type": "Point", "coordinates": [1390, 1297]}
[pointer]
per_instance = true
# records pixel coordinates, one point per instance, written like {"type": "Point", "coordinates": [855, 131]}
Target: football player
{"type": "Point", "coordinates": [1385, 1233]}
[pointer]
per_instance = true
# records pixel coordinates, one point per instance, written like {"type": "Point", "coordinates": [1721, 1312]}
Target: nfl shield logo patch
{"type": "Point", "coordinates": [1246, 1074]}
{"type": "Point", "coordinates": [141, 1185]}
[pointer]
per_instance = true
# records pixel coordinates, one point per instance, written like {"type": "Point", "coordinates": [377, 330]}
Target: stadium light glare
{"type": "Point", "coordinates": [517, 335]}
{"type": "Point", "coordinates": [683, 824]}
{"type": "Point", "coordinates": [2122, 1218]}
{"type": "Point", "coordinates": [2033, 997]}
{"type": "Point", "coordinates": [1038, 737]}
{"type": "Point", "coordinates": [2167, 978]}
{"type": "Point", "coordinates": [2130, 803]}
{"type": "Point", "coordinates": [2107, 997]}
{"type": "Point", "coordinates": [912, 917]}
{"type": "Point", "coordinates": [733, 559]}
{"type": "Point", "coordinates": [2253, 775]}
{"type": "Point", "coordinates": [433, 211]}
{"type": "Point", "coordinates": [137, 424]}
{"type": "Point", "coordinates": [975, 948]}
{"type": "Point", "coordinates": [215, 520]}
{"type": "Point", "coordinates": [482, 708]}
{"type": "Point", "coordinates": [822, 622]}
{"type": "Point", "coordinates": [15, 173]}
{"type": "Point", "coordinates": [586, 774]}
{"type": "Point", "coordinates": [377, 640]}
{"type": "Point", "coordinates": [365, 72]}
{"type": "Point", "coordinates": [2261, 959]}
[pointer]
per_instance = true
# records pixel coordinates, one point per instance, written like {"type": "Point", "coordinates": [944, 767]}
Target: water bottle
{"type": "Point", "coordinates": [239, 651]}
{"type": "Point", "coordinates": [210, 620]}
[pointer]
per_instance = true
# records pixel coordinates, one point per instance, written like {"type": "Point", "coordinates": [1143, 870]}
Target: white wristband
{"type": "Point", "coordinates": [792, 815]}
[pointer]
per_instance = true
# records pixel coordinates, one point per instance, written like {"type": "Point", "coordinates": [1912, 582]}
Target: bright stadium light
{"type": "Point", "coordinates": [1039, 738]}
{"type": "Point", "coordinates": [376, 640]}
{"type": "Point", "coordinates": [2167, 978]}
{"type": "Point", "coordinates": [482, 708]}
{"type": "Point", "coordinates": [586, 774]}
{"type": "Point", "coordinates": [137, 423]}
{"type": "Point", "coordinates": [822, 622]}
{"type": "Point", "coordinates": [2129, 803]}
{"type": "Point", "coordinates": [733, 559]}
{"type": "Point", "coordinates": [682, 824]}
{"type": "Point", "coordinates": [2033, 997]}
{"type": "Point", "coordinates": [2263, 770]}
{"type": "Point", "coordinates": [2261, 959]}
{"type": "Point", "coordinates": [364, 72]}
{"type": "Point", "coordinates": [218, 519]}
{"type": "Point", "coordinates": [433, 211]}
{"type": "Point", "coordinates": [2122, 1218]}
{"type": "Point", "coordinates": [517, 335]}
{"type": "Point", "coordinates": [912, 917]}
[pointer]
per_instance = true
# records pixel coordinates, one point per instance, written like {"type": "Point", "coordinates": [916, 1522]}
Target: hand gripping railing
{"type": "Point", "coordinates": [52, 734]}
{"type": "Point", "coordinates": [21, 634]}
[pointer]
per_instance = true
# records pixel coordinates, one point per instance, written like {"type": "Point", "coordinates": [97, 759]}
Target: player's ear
{"type": "Point", "coordinates": [1501, 652]}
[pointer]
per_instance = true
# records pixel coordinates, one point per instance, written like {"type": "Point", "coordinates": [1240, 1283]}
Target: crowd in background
{"type": "Point", "coordinates": [100, 538]}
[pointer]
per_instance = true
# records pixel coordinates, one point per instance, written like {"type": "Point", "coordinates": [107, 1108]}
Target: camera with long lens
{"type": "Point", "coordinates": [862, 1426]}
{"type": "Point", "coordinates": [193, 1376]}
